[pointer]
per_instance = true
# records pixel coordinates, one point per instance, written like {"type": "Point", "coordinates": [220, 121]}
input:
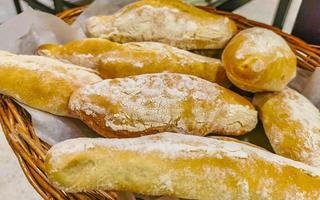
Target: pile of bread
{"type": "Point", "coordinates": [138, 82]}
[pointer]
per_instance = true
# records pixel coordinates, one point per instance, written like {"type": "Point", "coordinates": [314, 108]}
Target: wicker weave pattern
{"type": "Point", "coordinates": [30, 150]}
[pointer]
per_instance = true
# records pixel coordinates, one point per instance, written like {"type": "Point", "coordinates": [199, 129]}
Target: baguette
{"type": "Point", "coordinates": [42, 83]}
{"type": "Point", "coordinates": [292, 124]}
{"type": "Point", "coordinates": [184, 166]}
{"type": "Point", "coordinates": [115, 60]}
{"type": "Point", "coordinates": [167, 21]}
{"type": "Point", "coordinates": [258, 60]}
{"type": "Point", "coordinates": [152, 103]}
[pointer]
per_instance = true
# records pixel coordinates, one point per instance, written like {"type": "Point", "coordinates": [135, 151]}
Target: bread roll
{"type": "Point", "coordinates": [42, 83]}
{"type": "Point", "coordinates": [292, 125]}
{"type": "Point", "coordinates": [184, 166]}
{"type": "Point", "coordinates": [115, 60]}
{"type": "Point", "coordinates": [152, 103]}
{"type": "Point", "coordinates": [168, 21]}
{"type": "Point", "coordinates": [258, 60]}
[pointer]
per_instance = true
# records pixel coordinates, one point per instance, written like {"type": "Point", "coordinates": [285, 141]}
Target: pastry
{"type": "Point", "coordinates": [184, 166]}
{"type": "Point", "coordinates": [167, 21]}
{"type": "Point", "coordinates": [292, 124]}
{"type": "Point", "coordinates": [258, 60]}
{"type": "Point", "coordinates": [42, 83]}
{"type": "Point", "coordinates": [115, 60]}
{"type": "Point", "coordinates": [152, 103]}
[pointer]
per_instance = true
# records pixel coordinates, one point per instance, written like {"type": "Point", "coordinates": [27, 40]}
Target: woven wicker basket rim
{"type": "Point", "coordinates": [30, 150]}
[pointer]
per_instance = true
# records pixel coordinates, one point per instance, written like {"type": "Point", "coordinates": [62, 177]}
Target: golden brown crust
{"type": "Point", "coordinates": [97, 123]}
{"type": "Point", "coordinates": [292, 125]}
{"type": "Point", "coordinates": [183, 166]}
{"type": "Point", "coordinates": [42, 83]}
{"type": "Point", "coordinates": [152, 103]}
{"type": "Point", "coordinates": [170, 21]}
{"type": "Point", "coordinates": [115, 60]}
{"type": "Point", "coordinates": [258, 60]}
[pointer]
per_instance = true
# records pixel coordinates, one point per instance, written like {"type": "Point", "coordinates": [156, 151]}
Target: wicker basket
{"type": "Point", "coordinates": [30, 150]}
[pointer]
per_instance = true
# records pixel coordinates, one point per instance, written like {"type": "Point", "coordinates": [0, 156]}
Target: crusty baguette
{"type": "Point", "coordinates": [168, 21]}
{"type": "Point", "coordinates": [115, 60]}
{"type": "Point", "coordinates": [42, 83]}
{"type": "Point", "coordinates": [259, 60]}
{"type": "Point", "coordinates": [151, 103]}
{"type": "Point", "coordinates": [292, 124]}
{"type": "Point", "coordinates": [185, 166]}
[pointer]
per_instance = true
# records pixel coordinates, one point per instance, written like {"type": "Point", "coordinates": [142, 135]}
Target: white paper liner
{"type": "Point", "coordinates": [22, 35]}
{"type": "Point", "coordinates": [52, 129]}
{"type": "Point", "coordinates": [312, 88]}
{"type": "Point", "coordinates": [25, 32]}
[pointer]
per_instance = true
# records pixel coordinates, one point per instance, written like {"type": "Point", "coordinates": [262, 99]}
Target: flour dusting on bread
{"type": "Point", "coordinates": [302, 111]}
{"type": "Point", "coordinates": [292, 124]}
{"type": "Point", "coordinates": [177, 146]}
{"type": "Point", "coordinates": [171, 24]}
{"type": "Point", "coordinates": [183, 57]}
{"type": "Point", "coordinates": [176, 102]}
{"type": "Point", "coordinates": [54, 67]}
{"type": "Point", "coordinates": [262, 41]}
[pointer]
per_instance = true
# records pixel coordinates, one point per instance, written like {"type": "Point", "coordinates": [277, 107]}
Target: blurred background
{"type": "Point", "coordinates": [298, 17]}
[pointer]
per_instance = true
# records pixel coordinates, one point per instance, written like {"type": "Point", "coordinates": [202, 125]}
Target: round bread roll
{"type": "Point", "coordinates": [258, 60]}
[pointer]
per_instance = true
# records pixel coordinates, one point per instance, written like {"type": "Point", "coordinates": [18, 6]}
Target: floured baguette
{"type": "Point", "coordinates": [42, 83]}
{"type": "Point", "coordinates": [152, 103]}
{"type": "Point", "coordinates": [292, 124]}
{"type": "Point", "coordinates": [183, 166]}
{"type": "Point", "coordinates": [115, 60]}
{"type": "Point", "coordinates": [168, 21]}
